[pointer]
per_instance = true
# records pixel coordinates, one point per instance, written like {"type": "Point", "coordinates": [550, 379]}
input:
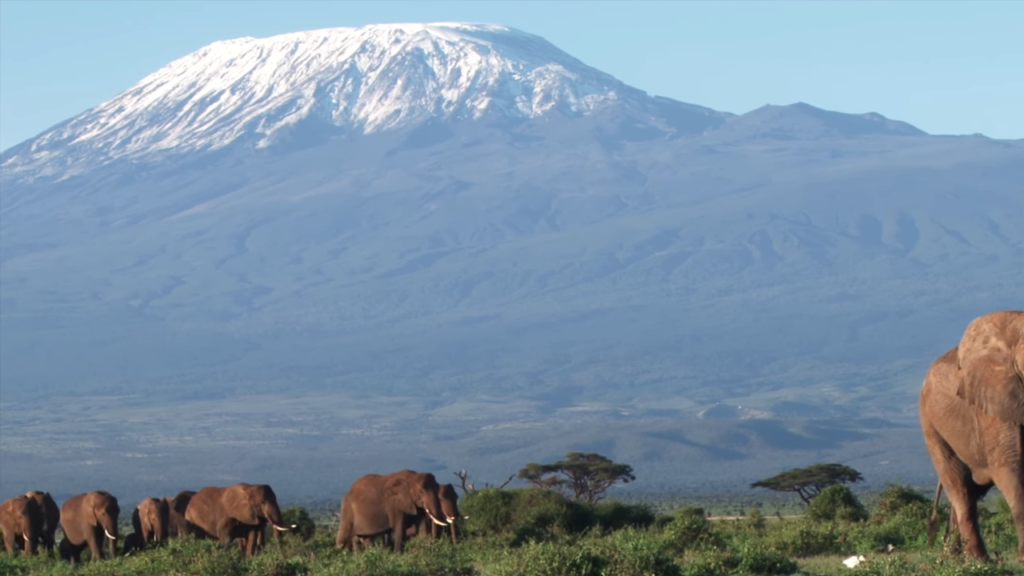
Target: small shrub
{"type": "Point", "coordinates": [755, 521]}
{"type": "Point", "coordinates": [803, 538]}
{"type": "Point", "coordinates": [614, 515]}
{"type": "Point", "coordinates": [896, 499]}
{"type": "Point", "coordinates": [304, 525]}
{"type": "Point", "coordinates": [631, 553]}
{"type": "Point", "coordinates": [837, 503]}
{"type": "Point", "coordinates": [547, 559]}
{"type": "Point", "coordinates": [709, 563]}
{"type": "Point", "coordinates": [691, 530]}
{"type": "Point", "coordinates": [489, 510]}
{"type": "Point", "coordinates": [997, 526]}
{"type": "Point", "coordinates": [757, 559]}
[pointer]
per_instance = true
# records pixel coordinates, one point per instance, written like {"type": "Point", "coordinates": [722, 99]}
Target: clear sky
{"type": "Point", "coordinates": [946, 67]}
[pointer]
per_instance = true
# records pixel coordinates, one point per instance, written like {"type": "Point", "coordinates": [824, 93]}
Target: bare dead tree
{"type": "Point", "coordinates": [468, 486]}
{"type": "Point", "coordinates": [463, 484]}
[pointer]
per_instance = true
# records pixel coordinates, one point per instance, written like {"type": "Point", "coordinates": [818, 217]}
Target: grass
{"type": "Point", "coordinates": [523, 533]}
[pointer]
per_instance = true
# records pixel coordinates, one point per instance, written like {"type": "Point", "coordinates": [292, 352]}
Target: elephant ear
{"type": "Point", "coordinates": [990, 359]}
{"type": "Point", "coordinates": [240, 504]}
{"type": "Point", "coordinates": [398, 491]}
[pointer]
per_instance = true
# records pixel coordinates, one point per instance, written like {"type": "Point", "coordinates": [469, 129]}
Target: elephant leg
{"type": "Point", "coordinates": [250, 544]}
{"type": "Point", "coordinates": [398, 531]}
{"type": "Point", "coordinates": [92, 538]}
{"type": "Point", "coordinates": [225, 532]}
{"type": "Point", "coordinates": [1010, 481]}
{"type": "Point", "coordinates": [961, 490]}
{"type": "Point", "coordinates": [9, 542]}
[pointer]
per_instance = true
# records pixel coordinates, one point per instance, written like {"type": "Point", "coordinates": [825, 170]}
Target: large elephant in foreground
{"type": "Point", "coordinates": [972, 416]}
{"type": "Point", "coordinates": [21, 519]}
{"type": "Point", "coordinates": [377, 504]}
{"type": "Point", "coordinates": [151, 520]}
{"type": "Point", "coordinates": [87, 519]}
{"type": "Point", "coordinates": [51, 518]}
{"type": "Point", "coordinates": [236, 512]}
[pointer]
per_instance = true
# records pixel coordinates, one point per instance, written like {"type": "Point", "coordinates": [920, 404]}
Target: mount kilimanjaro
{"type": "Point", "coordinates": [302, 258]}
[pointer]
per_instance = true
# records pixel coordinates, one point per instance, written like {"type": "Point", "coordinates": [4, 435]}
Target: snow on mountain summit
{"type": "Point", "coordinates": [367, 79]}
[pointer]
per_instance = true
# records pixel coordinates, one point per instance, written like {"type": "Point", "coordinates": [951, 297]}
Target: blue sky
{"type": "Point", "coordinates": [946, 67]}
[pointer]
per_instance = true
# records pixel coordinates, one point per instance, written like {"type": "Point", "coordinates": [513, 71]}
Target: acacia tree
{"type": "Point", "coordinates": [586, 475]}
{"type": "Point", "coordinates": [809, 482]}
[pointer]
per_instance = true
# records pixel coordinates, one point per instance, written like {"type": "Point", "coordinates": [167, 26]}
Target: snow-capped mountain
{"type": "Point", "coordinates": [316, 242]}
{"type": "Point", "coordinates": [366, 79]}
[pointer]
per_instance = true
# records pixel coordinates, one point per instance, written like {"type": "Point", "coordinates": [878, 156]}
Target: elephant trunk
{"type": "Point", "coordinates": [31, 536]}
{"type": "Point", "coordinates": [273, 515]}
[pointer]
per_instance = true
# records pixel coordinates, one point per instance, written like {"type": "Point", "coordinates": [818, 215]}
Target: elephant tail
{"type": "Point", "coordinates": [933, 521]}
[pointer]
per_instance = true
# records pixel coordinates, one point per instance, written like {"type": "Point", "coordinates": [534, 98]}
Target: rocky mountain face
{"type": "Point", "coordinates": [301, 258]}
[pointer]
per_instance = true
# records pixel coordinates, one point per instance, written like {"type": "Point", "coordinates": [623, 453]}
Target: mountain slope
{"type": "Point", "coordinates": [613, 272]}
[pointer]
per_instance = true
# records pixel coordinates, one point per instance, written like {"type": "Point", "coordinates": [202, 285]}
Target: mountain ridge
{"type": "Point", "coordinates": [512, 287]}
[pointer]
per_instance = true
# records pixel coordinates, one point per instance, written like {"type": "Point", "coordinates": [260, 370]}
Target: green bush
{"type": "Point", "coordinates": [548, 559]}
{"type": "Point", "coordinates": [614, 515]}
{"type": "Point", "coordinates": [632, 552]}
{"type": "Point", "coordinates": [758, 559]}
{"type": "Point", "coordinates": [304, 525]}
{"type": "Point", "coordinates": [837, 503]}
{"type": "Point", "coordinates": [691, 530]}
{"type": "Point", "coordinates": [896, 499]}
{"type": "Point", "coordinates": [803, 538]}
{"type": "Point", "coordinates": [709, 563]}
{"type": "Point", "coordinates": [755, 521]}
{"type": "Point", "coordinates": [997, 527]}
{"type": "Point", "coordinates": [528, 514]}
{"type": "Point", "coordinates": [489, 510]}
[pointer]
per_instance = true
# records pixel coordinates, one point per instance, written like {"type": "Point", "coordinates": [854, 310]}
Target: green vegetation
{"type": "Point", "coordinates": [535, 532]}
{"type": "Point", "coordinates": [809, 482]}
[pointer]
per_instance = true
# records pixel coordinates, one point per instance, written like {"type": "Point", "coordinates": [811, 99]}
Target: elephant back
{"type": "Point", "coordinates": [990, 359]}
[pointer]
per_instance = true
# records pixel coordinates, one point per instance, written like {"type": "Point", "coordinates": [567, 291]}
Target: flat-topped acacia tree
{"type": "Point", "coordinates": [809, 482]}
{"type": "Point", "coordinates": [587, 475]}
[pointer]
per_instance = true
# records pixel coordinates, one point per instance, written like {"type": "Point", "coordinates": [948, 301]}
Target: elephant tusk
{"type": "Point", "coordinates": [436, 521]}
{"type": "Point", "coordinates": [108, 535]}
{"type": "Point", "coordinates": [465, 517]}
{"type": "Point", "coordinates": [451, 519]}
{"type": "Point", "coordinates": [280, 528]}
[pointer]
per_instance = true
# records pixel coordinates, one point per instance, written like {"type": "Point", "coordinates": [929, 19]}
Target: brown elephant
{"type": "Point", "coordinates": [377, 504]}
{"type": "Point", "coordinates": [974, 439]}
{"type": "Point", "coordinates": [21, 519]}
{"type": "Point", "coordinates": [235, 512]}
{"type": "Point", "coordinates": [86, 520]}
{"type": "Point", "coordinates": [177, 526]}
{"type": "Point", "coordinates": [151, 520]}
{"type": "Point", "coordinates": [449, 506]}
{"type": "Point", "coordinates": [51, 518]}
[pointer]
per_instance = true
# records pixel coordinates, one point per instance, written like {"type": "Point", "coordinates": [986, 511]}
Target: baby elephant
{"type": "Point", "coordinates": [133, 543]}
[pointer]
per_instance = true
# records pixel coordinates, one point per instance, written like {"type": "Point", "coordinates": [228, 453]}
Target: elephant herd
{"type": "Point", "coordinates": [378, 508]}
{"type": "Point", "coordinates": [972, 416]}
{"type": "Point", "coordinates": [235, 513]}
